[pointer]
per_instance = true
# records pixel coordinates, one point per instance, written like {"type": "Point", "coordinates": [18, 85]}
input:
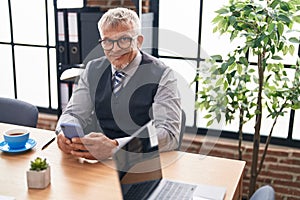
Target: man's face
{"type": "Point", "coordinates": [121, 57]}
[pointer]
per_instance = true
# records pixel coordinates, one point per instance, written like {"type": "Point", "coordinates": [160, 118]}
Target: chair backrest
{"type": "Point", "coordinates": [182, 129]}
{"type": "Point", "coordinates": [265, 192]}
{"type": "Point", "coordinates": [18, 112]}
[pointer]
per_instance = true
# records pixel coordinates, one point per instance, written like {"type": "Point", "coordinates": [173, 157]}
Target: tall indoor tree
{"type": "Point", "coordinates": [234, 86]}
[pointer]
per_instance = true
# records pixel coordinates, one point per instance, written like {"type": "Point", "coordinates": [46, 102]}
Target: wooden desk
{"type": "Point", "coordinates": [73, 180]}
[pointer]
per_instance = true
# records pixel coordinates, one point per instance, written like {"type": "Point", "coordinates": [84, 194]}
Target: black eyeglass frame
{"type": "Point", "coordinates": [117, 41]}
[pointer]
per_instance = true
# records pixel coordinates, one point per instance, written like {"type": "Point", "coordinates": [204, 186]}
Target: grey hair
{"type": "Point", "coordinates": [120, 16]}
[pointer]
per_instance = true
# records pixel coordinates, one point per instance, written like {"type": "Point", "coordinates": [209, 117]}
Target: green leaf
{"type": "Point", "coordinates": [296, 18]}
{"type": "Point", "coordinates": [219, 82]}
{"type": "Point", "coordinates": [225, 85]}
{"type": "Point", "coordinates": [280, 46]}
{"type": "Point", "coordinates": [216, 57]}
{"type": "Point", "coordinates": [229, 78]}
{"type": "Point", "coordinates": [292, 49]}
{"type": "Point", "coordinates": [294, 40]}
{"type": "Point", "coordinates": [218, 117]}
{"type": "Point", "coordinates": [272, 49]}
{"type": "Point", "coordinates": [239, 69]}
{"type": "Point", "coordinates": [215, 29]}
{"type": "Point", "coordinates": [251, 71]}
{"type": "Point", "coordinates": [232, 74]}
{"type": "Point", "coordinates": [296, 106]}
{"type": "Point", "coordinates": [271, 27]}
{"type": "Point", "coordinates": [231, 60]}
{"type": "Point", "coordinates": [231, 67]}
{"type": "Point", "coordinates": [244, 61]}
{"type": "Point", "coordinates": [209, 123]}
{"type": "Point", "coordinates": [280, 28]}
{"type": "Point", "coordinates": [284, 18]}
{"type": "Point", "coordinates": [223, 24]}
{"type": "Point", "coordinates": [222, 11]}
{"type": "Point", "coordinates": [224, 67]}
{"type": "Point", "coordinates": [284, 73]}
{"type": "Point", "coordinates": [232, 20]}
{"type": "Point", "coordinates": [217, 19]}
{"type": "Point", "coordinates": [285, 49]}
{"type": "Point", "coordinates": [233, 35]}
{"type": "Point", "coordinates": [276, 58]}
{"type": "Point", "coordinates": [207, 116]}
{"type": "Point", "coordinates": [274, 4]}
{"type": "Point", "coordinates": [284, 6]}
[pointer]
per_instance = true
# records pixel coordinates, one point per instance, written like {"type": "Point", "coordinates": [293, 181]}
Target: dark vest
{"type": "Point", "coordinates": [120, 116]}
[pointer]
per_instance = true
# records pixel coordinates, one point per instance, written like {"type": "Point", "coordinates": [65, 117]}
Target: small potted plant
{"type": "Point", "coordinates": [38, 176]}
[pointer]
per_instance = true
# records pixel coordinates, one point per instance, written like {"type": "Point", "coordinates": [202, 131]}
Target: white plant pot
{"type": "Point", "coordinates": [38, 179]}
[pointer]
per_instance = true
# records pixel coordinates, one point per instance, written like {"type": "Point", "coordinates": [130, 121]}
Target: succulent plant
{"type": "Point", "coordinates": [39, 164]}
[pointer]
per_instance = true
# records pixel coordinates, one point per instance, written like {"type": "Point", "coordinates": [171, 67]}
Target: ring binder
{"type": "Point", "coordinates": [74, 48]}
{"type": "Point", "coordinates": [62, 43]}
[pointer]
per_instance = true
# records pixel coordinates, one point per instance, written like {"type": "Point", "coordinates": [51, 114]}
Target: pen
{"type": "Point", "coordinates": [48, 143]}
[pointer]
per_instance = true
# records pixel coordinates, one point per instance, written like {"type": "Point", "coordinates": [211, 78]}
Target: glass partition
{"type": "Point", "coordinates": [6, 72]}
{"type": "Point", "coordinates": [29, 27]}
{"type": "Point", "coordinates": [5, 26]}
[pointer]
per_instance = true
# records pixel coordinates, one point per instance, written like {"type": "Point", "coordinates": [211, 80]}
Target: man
{"type": "Point", "coordinates": [120, 92]}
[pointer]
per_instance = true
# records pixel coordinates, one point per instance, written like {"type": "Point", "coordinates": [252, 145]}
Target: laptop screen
{"type": "Point", "coordinates": [138, 164]}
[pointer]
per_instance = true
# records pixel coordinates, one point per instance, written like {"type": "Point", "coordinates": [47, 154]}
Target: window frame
{"type": "Point", "coordinates": [288, 141]}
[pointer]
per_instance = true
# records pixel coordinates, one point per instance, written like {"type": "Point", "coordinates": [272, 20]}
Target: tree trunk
{"type": "Point", "coordinates": [256, 138]}
{"type": "Point", "coordinates": [241, 123]}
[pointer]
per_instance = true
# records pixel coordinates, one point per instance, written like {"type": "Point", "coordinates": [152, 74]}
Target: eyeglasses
{"type": "Point", "coordinates": [123, 43]}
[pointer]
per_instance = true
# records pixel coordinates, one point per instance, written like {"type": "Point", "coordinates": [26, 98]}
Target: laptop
{"type": "Point", "coordinates": [139, 170]}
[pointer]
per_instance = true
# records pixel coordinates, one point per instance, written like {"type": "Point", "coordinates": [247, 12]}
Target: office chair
{"type": "Point", "coordinates": [265, 192]}
{"type": "Point", "coordinates": [18, 112]}
{"type": "Point", "coordinates": [182, 129]}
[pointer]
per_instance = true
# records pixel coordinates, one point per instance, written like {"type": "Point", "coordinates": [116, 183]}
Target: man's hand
{"type": "Point", "coordinates": [64, 143]}
{"type": "Point", "coordinates": [93, 146]}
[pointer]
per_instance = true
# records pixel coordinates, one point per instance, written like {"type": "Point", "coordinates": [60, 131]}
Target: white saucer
{"type": "Point", "coordinates": [29, 145]}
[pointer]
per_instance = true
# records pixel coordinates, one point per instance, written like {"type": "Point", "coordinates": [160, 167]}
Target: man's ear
{"type": "Point", "coordinates": [140, 40]}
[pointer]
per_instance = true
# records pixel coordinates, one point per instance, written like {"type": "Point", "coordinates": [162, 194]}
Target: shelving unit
{"type": "Point", "coordinates": [77, 43]}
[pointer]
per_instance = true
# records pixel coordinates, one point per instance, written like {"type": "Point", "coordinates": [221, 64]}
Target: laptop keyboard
{"type": "Point", "coordinates": [138, 191]}
{"type": "Point", "coordinates": [174, 190]}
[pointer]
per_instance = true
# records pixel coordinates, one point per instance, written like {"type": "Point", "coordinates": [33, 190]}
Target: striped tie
{"type": "Point", "coordinates": [117, 81]}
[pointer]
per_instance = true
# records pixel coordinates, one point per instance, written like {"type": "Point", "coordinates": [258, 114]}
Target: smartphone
{"type": "Point", "coordinates": [71, 130]}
